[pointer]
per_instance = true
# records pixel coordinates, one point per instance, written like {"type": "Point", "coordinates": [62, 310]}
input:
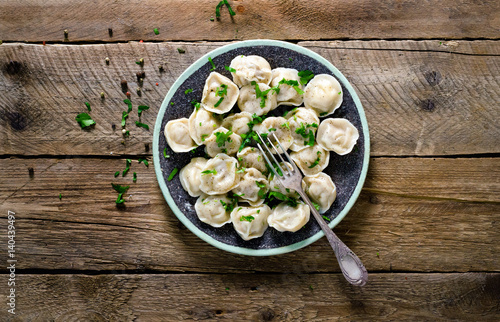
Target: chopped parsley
{"type": "Point", "coordinates": [88, 106]}
{"type": "Point", "coordinates": [263, 94]}
{"type": "Point", "coordinates": [315, 163]}
{"type": "Point", "coordinates": [222, 138]}
{"type": "Point", "coordinates": [60, 196]}
{"type": "Point", "coordinates": [172, 174]}
{"type": "Point", "coordinates": [286, 125]}
{"type": "Point", "coordinates": [214, 172]}
{"type": "Point", "coordinates": [305, 76]}
{"type": "Point", "coordinates": [340, 93]}
{"type": "Point", "coordinates": [222, 3]}
{"type": "Point", "coordinates": [196, 104]}
{"type": "Point", "coordinates": [203, 136]}
{"type": "Point", "coordinates": [271, 129]}
{"type": "Point", "coordinates": [292, 110]}
{"type": "Point", "coordinates": [229, 206]}
{"type": "Point", "coordinates": [258, 211]}
{"type": "Point", "coordinates": [121, 190]}
{"type": "Point", "coordinates": [187, 91]}
{"type": "Point", "coordinates": [124, 118]}
{"type": "Point", "coordinates": [211, 63]}
{"type": "Point", "coordinates": [84, 120]}
{"type": "Point", "coordinates": [117, 173]}
{"type": "Point", "coordinates": [292, 83]}
{"type": "Point", "coordinates": [141, 108]}
{"type": "Point", "coordinates": [181, 51]}
{"type": "Point", "coordinates": [128, 162]}
{"type": "Point", "coordinates": [323, 113]}
{"type": "Point", "coordinates": [156, 31]}
{"type": "Point", "coordinates": [326, 218]}
{"type": "Point", "coordinates": [248, 218]}
{"type": "Point", "coordinates": [307, 134]}
{"type": "Point", "coordinates": [135, 177]}
{"type": "Point", "coordinates": [139, 124]}
{"type": "Point", "coordinates": [262, 190]}
{"type": "Point", "coordinates": [146, 163]}
{"type": "Point", "coordinates": [241, 170]}
{"type": "Point", "coordinates": [315, 205]}
{"type": "Point", "coordinates": [230, 69]}
{"type": "Point", "coordinates": [221, 92]}
{"type": "Point", "coordinates": [292, 202]}
{"type": "Point", "coordinates": [165, 155]}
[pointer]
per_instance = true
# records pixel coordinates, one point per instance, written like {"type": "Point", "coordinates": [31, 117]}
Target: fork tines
{"type": "Point", "coordinates": [290, 169]}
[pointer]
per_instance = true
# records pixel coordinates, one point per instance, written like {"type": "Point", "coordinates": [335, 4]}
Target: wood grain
{"type": "Point", "coordinates": [419, 226]}
{"type": "Point", "coordinates": [256, 297]}
{"type": "Point", "coordinates": [421, 97]}
{"type": "Point", "coordinates": [284, 19]}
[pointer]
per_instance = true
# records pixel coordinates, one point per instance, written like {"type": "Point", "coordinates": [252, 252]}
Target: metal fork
{"type": "Point", "coordinates": [353, 269]}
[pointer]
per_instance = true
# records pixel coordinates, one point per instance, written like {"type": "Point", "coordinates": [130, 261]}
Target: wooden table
{"type": "Point", "coordinates": [427, 223]}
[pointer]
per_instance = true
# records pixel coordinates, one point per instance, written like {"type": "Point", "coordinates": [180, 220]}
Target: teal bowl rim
{"type": "Point", "coordinates": [156, 155]}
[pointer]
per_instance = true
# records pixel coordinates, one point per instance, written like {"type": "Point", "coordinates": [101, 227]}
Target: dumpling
{"type": "Point", "coordinates": [177, 135]}
{"type": "Point", "coordinates": [221, 141]}
{"type": "Point", "coordinates": [321, 189]}
{"type": "Point", "coordinates": [302, 122]}
{"type": "Point", "coordinates": [219, 175]}
{"type": "Point", "coordinates": [211, 210]}
{"type": "Point", "coordinates": [323, 94]}
{"type": "Point", "coordinates": [287, 94]}
{"type": "Point", "coordinates": [253, 187]}
{"type": "Point", "coordinates": [250, 68]}
{"type": "Point", "coordinates": [287, 218]}
{"type": "Point", "coordinates": [311, 160]}
{"type": "Point", "coordinates": [219, 94]}
{"type": "Point", "coordinates": [249, 102]}
{"type": "Point", "coordinates": [275, 183]}
{"type": "Point", "coordinates": [201, 124]}
{"type": "Point", "coordinates": [337, 135]}
{"type": "Point", "coordinates": [238, 123]}
{"type": "Point", "coordinates": [251, 157]}
{"type": "Point", "coordinates": [250, 222]}
{"type": "Point", "coordinates": [279, 127]}
{"type": "Point", "coordinates": [190, 176]}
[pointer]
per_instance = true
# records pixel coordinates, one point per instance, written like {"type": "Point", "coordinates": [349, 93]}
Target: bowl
{"type": "Point", "coordinates": [348, 172]}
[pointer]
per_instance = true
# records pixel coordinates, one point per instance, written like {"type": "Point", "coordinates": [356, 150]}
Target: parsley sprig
{"type": "Point", "coordinates": [222, 138]}
{"type": "Point", "coordinates": [305, 76]}
{"type": "Point", "coordinates": [316, 162]}
{"type": "Point", "coordinates": [84, 120]}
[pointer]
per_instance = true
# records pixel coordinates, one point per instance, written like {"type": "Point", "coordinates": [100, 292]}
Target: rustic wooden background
{"type": "Point", "coordinates": [427, 224]}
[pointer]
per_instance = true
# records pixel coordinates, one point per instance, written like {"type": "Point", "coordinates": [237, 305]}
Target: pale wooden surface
{"type": "Point", "coordinates": [28, 20]}
{"type": "Point", "coordinates": [426, 224]}
{"type": "Point", "coordinates": [420, 97]}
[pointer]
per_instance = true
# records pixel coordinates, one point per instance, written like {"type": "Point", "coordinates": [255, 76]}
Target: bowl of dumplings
{"type": "Point", "coordinates": [215, 179]}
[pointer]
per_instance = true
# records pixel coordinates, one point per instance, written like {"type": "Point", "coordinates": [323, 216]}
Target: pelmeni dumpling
{"type": "Point", "coordinates": [287, 94]}
{"type": "Point", "coordinates": [229, 146]}
{"type": "Point", "coordinates": [321, 189]}
{"type": "Point", "coordinates": [250, 222]}
{"type": "Point", "coordinates": [251, 157]}
{"type": "Point", "coordinates": [177, 135]}
{"type": "Point", "coordinates": [253, 187]}
{"type": "Point", "coordinates": [337, 135]}
{"type": "Point", "coordinates": [311, 160]}
{"type": "Point", "coordinates": [190, 176]}
{"type": "Point", "coordinates": [304, 122]}
{"type": "Point", "coordinates": [275, 183]}
{"type": "Point", "coordinates": [219, 94]}
{"type": "Point", "coordinates": [250, 68]}
{"type": "Point", "coordinates": [210, 210]}
{"type": "Point", "coordinates": [249, 102]}
{"type": "Point", "coordinates": [201, 124]}
{"type": "Point", "coordinates": [279, 127]}
{"type": "Point", "coordinates": [238, 123]}
{"type": "Point", "coordinates": [287, 218]}
{"type": "Point", "coordinates": [323, 94]}
{"type": "Point", "coordinates": [219, 175]}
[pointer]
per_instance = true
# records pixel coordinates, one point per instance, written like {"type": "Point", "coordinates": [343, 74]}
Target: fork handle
{"type": "Point", "coordinates": [353, 269]}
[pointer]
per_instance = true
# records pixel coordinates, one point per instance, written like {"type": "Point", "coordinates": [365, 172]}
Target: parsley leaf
{"type": "Point", "coordinates": [172, 174]}
{"type": "Point", "coordinates": [117, 173]}
{"type": "Point", "coordinates": [211, 63]}
{"type": "Point", "coordinates": [129, 103]}
{"type": "Point", "coordinates": [196, 104]}
{"type": "Point", "coordinates": [214, 172]}
{"type": "Point", "coordinates": [248, 218]}
{"type": "Point", "coordinates": [315, 205]}
{"type": "Point", "coordinates": [230, 69]}
{"type": "Point", "coordinates": [120, 189]}
{"type": "Point", "coordinates": [135, 177]}
{"type": "Point", "coordinates": [156, 31]}
{"type": "Point", "coordinates": [315, 163]}
{"type": "Point", "coordinates": [141, 108]}
{"type": "Point", "coordinates": [139, 124]}
{"type": "Point", "coordinates": [305, 76]}
{"type": "Point", "coordinates": [292, 202]}
{"type": "Point", "coordinates": [146, 163]}
{"type": "Point", "coordinates": [187, 91]}
{"type": "Point", "coordinates": [262, 190]}
{"type": "Point", "coordinates": [88, 106]}
{"type": "Point", "coordinates": [84, 120]}
{"type": "Point", "coordinates": [222, 138]}
{"type": "Point", "coordinates": [292, 83]}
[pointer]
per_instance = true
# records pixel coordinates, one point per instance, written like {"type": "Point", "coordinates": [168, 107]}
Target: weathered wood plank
{"type": "Point", "coordinates": [402, 217]}
{"type": "Point", "coordinates": [285, 19]}
{"type": "Point", "coordinates": [420, 97]}
{"type": "Point", "coordinates": [255, 297]}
